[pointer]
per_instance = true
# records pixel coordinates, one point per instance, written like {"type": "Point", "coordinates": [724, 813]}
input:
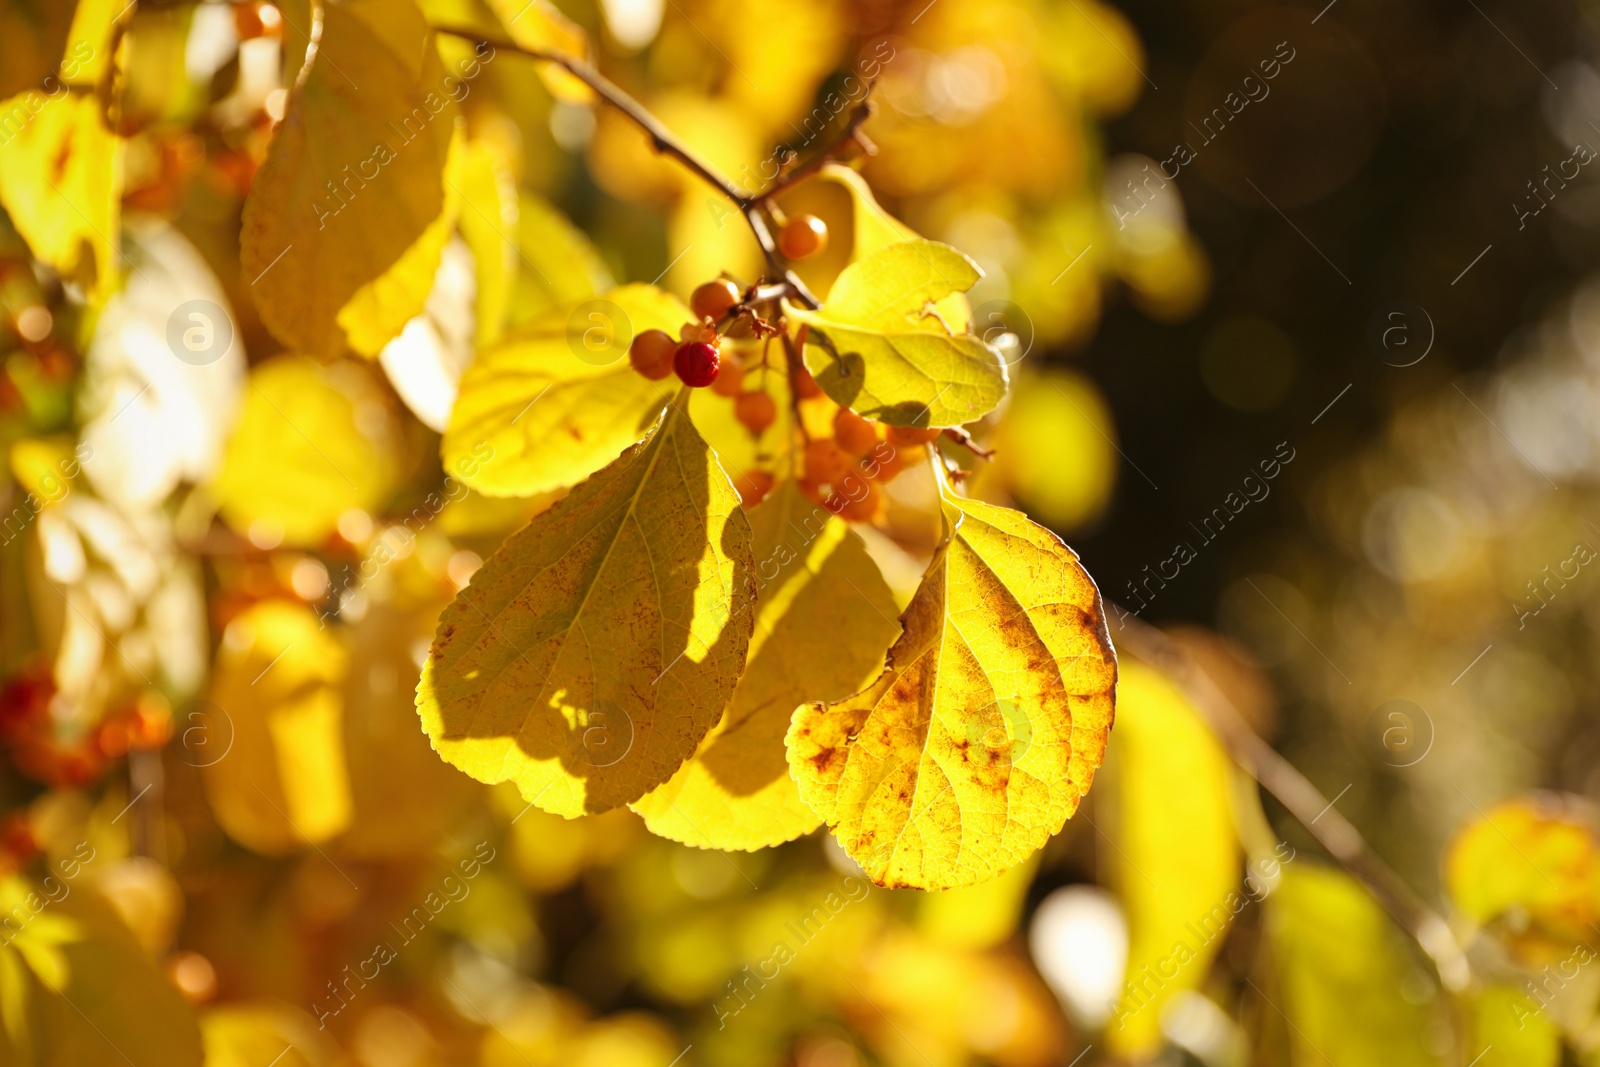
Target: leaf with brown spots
{"type": "Point", "coordinates": [593, 651]}
{"type": "Point", "coordinates": [984, 730]}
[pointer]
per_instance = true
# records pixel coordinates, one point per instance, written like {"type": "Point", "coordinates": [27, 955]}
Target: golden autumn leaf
{"type": "Point", "coordinates": [353, 180]}
{"type": "Point", "coordinates": [278, 780]}
{"type": "Point", "coordinates": [556, 401]}
{"type": "Point", "coordinates": [824, 619]}
{"type": "Point", "coordinates": [33, 36]}
{"type": "Point", "coordinates": [312, 442]}
{"type": "Point", "coordinates": [983, 732]}
{"type": "Point", "coordinates": [61, 183]}
{"type": "Point", "coordinates": [1177, 865]}
{"type": "Point", "coordinates": [592, 652]}
{"type": "Point", "coordinates": [1529, 867]}
{"type": "Point", "coordinates": [1341, 963]}
{"type": "Point", "coordinates": [894, 357]}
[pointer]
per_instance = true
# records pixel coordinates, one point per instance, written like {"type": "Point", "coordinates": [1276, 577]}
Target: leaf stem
{"type": "Point", "coordinates": [1303, 800]}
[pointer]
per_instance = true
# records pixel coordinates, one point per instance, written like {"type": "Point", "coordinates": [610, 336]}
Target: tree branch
{"type": "Point", "coordinates": [752, 206]}
{"type": "Point", "coordinates": [1303, 800]}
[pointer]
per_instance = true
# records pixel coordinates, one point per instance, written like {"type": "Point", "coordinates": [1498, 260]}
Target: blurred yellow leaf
{"type": "Point", "coordinates": [1507, 1029]}
{"type": "Point", "coordinates": [311, 443]}
{"type": "Point", "coordinates": [538, 25]}
{"type": "Point", "coordinates": [251, 1034]}
{"type": "Point", "coordinates": [380, 309]}
{"type": "Point", "coordinates": [555, 402]}
{"type": "Point", "coordinates": [1535, 862]}
{"type": "Point", "coordinates": [825, 618]}
{"type": "Point", "coordinates": [1177, 864]}
{"type": "Point", "coordinates": [403, 798]}
{"type": "Point", "coordinates": [61, 184]}
{"type": "Point", "coordinates": [108, 1007]}
{"type": "Point", "coordinates": [480, 178]}
{"type": "Point", "coordinates": [33, 36]}
{"type": "Point", "coordinates": [46, 467]}
{"type": "Point", "coordinates": [896, 362]}
{"type": "Point", "coordinates": [1053, 449]}
{"type": "Point", "coordinates": [282, 784]}
{"type": "Point", "coordinates": [978, 916]}
{"type": "Point", "coordinates": [558, 266]}
{"type": "Point", "coordinates": [593, 651]}
{"type": "Point", "coordinates": [354, 175]}
{"type": "Point", "coordinates": [1341, 967]}
{"type": "Point", "coordinates": [985, 728]}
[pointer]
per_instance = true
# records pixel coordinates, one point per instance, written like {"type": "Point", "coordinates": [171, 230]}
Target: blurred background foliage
{"type": "Point", "coordinates": [227, 841]}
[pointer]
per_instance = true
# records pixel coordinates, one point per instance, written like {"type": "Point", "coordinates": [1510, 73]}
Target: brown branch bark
{"type": "Point", "coordinates": [1303, 800]}
{"type": "Point", "coordinates": [754, 207]}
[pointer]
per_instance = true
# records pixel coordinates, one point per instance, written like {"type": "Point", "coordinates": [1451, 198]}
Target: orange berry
{"type": "Point", "coordinates": [247, 22]}
{"type": "Point", "coordinates": [713, 299]}
{"type": "Point", "coordinates": [862, 508]}
{"type": "Point", "coordinates": [806, 385]}
{"type": "Point", "coordinates": [802, 237]}
{"type": "Point", "coordinates": [811, 490]}
{"type": "Point", "coordinates": [854, 434]}
{"type": "Point", "coordinates": [756, 411]}
{"type": "Point", "coordinates": [651, 354]}
{"type": "Point", "coordinates": [753, 486]}
{"type": "Point", "coordinates": [911, 435]}
{"type": "Point", "coordinates": [730, 379]}
{"type": "Point", "coordinates": [881, 468]}
{"type": "Point", "coordinates": [825, 462]}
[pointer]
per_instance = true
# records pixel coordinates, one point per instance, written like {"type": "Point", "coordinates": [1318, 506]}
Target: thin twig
{"type": "Point", "coordinates": [1303, 800]}
{"type": "Point", "coordinates": [754, 208]}
{"type": "Point", "coordinates": [852, 132]}
{"type": "Point", "coordinates": [663, 139]}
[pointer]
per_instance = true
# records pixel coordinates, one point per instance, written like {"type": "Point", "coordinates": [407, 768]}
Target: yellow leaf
{"type": "Point", "coordinates": [555, 402]}
{"type": "Point", "coordinates": [282, 783]}
{"type": "Point", "coordinates": [824, 621]}
{"type": "Point", "coordinates": [403, 798]}
{"type": "Point", "coordinates": [894, 358]}
{"type": "Point", "coordinates": [250, 1034]}
{"type": "Point", "coordinates": [33, 36]}
{"type": "Point", "coordinates": [986, 726]}
{"type": "Point", "coordinates": [89, 53]}
{"type": "Point", "coordinates": [380, 309]}
{"type": "Point", "coordinates": [113, 1007]}
{"type": "Point", "coordinates": [354, 175]}
{"type": "Point", "coordinates": [596, 648]}
{"type": "Point", "coordinates": [1177, 864]}
{"type": "Point", "coordinates": [1054, 450]}
{"type": "Point", "coordinates": [488, 216]}
{"type": "Point", "coordinates": [858, 226]}
{"type": "Point", "coordinates": [1531, 864]}
{"type": "Point", "coordinates": [537, 24]}
{"type": "Point", "coordinates": [61, 183]}
{"type": "Point", "coordinates": [1508, 1029]}
{"type": "Point", "coordinates": [558, 266]}
{"type": "Point", "coordinates": [312, 442]}
{"type": "Point", "coordinates": [1340, 965]}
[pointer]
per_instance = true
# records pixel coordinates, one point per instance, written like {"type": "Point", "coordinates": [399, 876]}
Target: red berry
{"type": "Point", "coordinates": [696, 363]}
